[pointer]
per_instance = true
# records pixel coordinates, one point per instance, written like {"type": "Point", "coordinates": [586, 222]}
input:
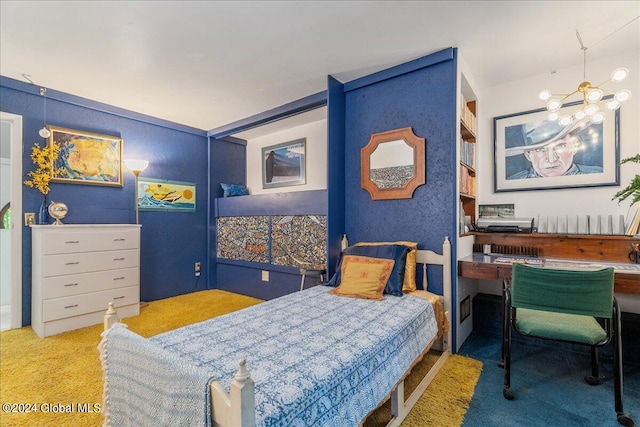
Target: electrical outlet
{"type": "Point", "coordinates": [265, 276]}
{"type": "Point", "coordinates": [29, 219]}
{"type": "Point", "coordinates": [196, 268]}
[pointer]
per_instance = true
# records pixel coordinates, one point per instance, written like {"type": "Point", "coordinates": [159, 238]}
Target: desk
{"type": "Point", "coordinates": [480, 266]}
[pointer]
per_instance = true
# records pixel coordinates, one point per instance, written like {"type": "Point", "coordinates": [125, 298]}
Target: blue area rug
{"type": "Point", "coordinates": [547, 377]}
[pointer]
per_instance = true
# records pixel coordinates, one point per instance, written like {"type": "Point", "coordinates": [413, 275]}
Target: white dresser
{"type": "Point", "coordinates": [78, 269]}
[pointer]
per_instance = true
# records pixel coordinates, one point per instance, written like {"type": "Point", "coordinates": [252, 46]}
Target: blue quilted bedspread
{"type": "Point", "coordinates": [316, 359]}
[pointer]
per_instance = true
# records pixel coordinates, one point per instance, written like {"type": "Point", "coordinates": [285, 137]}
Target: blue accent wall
{"type": "Point", "coordinates": [425, 100]}
{"type": "Point", "coordinates": [420, 95]}
{"type": "Point", "coordinates": [170, 242]}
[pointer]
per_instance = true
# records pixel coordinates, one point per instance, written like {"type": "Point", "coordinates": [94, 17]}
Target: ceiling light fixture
{"type": "Point", "coordinates": [591, 96]}
{"type": "Point", "coordinates": [44, 132]}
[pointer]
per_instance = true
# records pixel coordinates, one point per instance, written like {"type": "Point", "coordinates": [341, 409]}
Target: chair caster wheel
{"type": "Point", "coordinates": [591, 380]}
{"type": "Point", "coordinates": [508, 393]}
{"type": "Point", "coordinates": [625, 420]}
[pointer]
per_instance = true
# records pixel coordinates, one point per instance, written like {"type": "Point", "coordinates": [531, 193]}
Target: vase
{"type": "Point", "coordinates": [43, 213]}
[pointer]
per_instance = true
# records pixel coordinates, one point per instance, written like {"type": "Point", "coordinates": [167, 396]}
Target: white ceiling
{"type": "Point", "coordinates": [210, 63]}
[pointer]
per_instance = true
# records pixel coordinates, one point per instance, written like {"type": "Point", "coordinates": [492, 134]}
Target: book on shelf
{"type": "Point", "coordinates": [467, 181]}
{"type": "Point", "coordinates": [467, 117]}
{"type": "Point", "coordinates": [633, 225]}
{"type": "Point", "coordinates": [467, 153]}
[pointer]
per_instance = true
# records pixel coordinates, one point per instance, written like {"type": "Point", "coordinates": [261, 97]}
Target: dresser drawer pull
{"type": "Point", "coordinates": [71, 306]}
{"type": "Point", "coordinates": [119, 240]}
{"type": "Point", "coordinates": [70, 284]}
{"type": "Point", "coordinates": [72, 241]}
{"type": "Point", "coordinates": [72, 263]}
{"type": "Point", "coordinates": [118, 259]}
{"type": "Point", "coordinates": [119, 278]}
{"type": "Point", "coordinates": [122, 297]}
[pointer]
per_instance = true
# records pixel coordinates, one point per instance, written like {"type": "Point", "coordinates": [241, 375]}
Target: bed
{"type": "Point", "coordinates": [307, 358]}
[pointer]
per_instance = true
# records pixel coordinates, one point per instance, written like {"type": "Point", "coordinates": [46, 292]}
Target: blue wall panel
{"type": "Point", "coordinates": [248, 281]}
{"type": "Point", "coordinates": [424, 99]}
{"type": "Point", "coordinates": [335, 171]}
{"type": "Point", "coordinates": [228, 164]}
{"type": "Point", "coordinates": [170, 242]}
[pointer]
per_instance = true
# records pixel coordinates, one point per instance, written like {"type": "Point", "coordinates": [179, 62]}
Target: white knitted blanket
{"type": "Point", "coordinates": [144, 385]}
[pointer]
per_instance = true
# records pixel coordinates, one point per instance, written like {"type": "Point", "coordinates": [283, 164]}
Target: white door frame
{"type": "Point", "coordinates": [16, 217]}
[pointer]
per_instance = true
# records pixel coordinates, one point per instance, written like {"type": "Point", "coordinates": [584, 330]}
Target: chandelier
{"type": "Point", "coordinates": [591, 96]}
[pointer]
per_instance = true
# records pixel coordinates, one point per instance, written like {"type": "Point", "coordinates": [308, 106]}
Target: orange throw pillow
{"type": "Point", "coordinates": [364, 277]}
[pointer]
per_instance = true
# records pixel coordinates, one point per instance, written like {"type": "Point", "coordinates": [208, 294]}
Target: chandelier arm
{"type": "Point", "coordinates": [600, 84]}
{"type": "Point", "coordinates": [569, 94]}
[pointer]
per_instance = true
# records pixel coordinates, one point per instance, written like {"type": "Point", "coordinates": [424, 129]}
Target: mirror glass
{"type": "Point", "coordinates": [391, 164]}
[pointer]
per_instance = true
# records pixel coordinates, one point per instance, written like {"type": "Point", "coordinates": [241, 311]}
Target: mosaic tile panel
{"type": "Point", "coordinates": [391, 177]}
{"type": "Point", "coordinates": [244, 238]}
{"type": "Point", "coordinates": [299, 239]}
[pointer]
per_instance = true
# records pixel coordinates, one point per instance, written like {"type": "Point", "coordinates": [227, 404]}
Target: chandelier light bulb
{"type": "Point", "coordinates": [619, 74]}
{"type": "Point", "coordinates": [554, 105]}
{"type": "Point", "coordinates": [553, 116]}
{"type": "Point", "coordinates": [565, 120]}
{"type": "Point", "coordinates": [579, 115]}
{"type": "Point", "coordinates": [614, 104]}
{"type": "Point", "coordinates": [590, 109]}
{"type": "Point", "coordinates": [544, 95]}
{"type": "Point", "coordinates": [623, 95]}
{"type": "Point", "coordinates": [597, 117]}
{"type": "Point", "coordinates": [594, 95]}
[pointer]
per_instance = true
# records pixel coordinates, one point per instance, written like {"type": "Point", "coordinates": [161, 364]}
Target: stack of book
{"type": "Point", "coordinates": [633, 224]}
{"type": "Point", "coordinates": [467, 117]}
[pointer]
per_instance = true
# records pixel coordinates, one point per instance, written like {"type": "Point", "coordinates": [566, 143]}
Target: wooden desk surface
{"type": "Point", "coordinates": [567, 246]}
{"type": "Point", "coordinates": [480, 266]}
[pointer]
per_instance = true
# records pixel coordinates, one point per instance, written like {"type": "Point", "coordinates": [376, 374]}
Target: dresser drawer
{"type": "Point", "coordinates": [62, 241]}
{"type": "Point", "coordinates": [58, 265]}
{"type": "Point", "coordinates": [64, 286]}
{"type": "Point", "coordinates": [76, 305]}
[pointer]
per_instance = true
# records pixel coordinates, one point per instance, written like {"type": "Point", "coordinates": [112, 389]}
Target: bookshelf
{"type": "Point", "coordinates": [467, 156]}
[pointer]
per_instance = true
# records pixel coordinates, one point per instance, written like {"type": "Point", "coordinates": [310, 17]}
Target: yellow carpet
{"type": "Point", "coordinates": [58, 381]}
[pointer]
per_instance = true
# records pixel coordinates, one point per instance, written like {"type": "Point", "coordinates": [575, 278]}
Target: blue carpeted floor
{"type": "Point", "coordinates": [547, 377]}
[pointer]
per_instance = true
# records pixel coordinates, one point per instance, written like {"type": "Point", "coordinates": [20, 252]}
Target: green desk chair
{"type": "Point", "coordinates": [564, 305]}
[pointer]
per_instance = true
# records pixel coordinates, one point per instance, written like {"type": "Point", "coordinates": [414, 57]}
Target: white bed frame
{"type": "Point", "coordinates": [237, 408]}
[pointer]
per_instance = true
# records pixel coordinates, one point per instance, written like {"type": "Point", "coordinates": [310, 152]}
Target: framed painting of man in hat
{"type": "Point", "coordinates": [534, 153]}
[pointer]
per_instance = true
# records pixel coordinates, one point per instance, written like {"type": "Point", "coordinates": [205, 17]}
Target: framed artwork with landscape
{"type": "Point", "coordinates": [87, 158]}
{"type": "Point", "coordinates": [534, 153]}
{"type": "Point", "coordinates": [164, 195]}
{"type": "Point", "coordinates": [284, 164]}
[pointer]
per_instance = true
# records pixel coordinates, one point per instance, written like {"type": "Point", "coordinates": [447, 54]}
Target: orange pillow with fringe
{"type": "Point", "coordinates": [363, 277]}
{"type": "Point", "coordinates": [409, 282]}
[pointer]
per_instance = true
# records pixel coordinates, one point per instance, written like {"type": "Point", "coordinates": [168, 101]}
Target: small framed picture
{"type": "Point", "coordinates": [87, 158]}
{"type": "Point", "coordinates": [534, 153]}
{"type": "Point", "coordinates": [284, 164]}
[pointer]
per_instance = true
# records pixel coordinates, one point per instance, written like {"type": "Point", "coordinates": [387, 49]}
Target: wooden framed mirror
{"type": "Point", "coordinates": [392, 164]}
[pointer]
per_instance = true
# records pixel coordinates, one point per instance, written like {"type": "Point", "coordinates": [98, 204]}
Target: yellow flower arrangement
{"type": "Point", "coordinates": [44, 159]}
